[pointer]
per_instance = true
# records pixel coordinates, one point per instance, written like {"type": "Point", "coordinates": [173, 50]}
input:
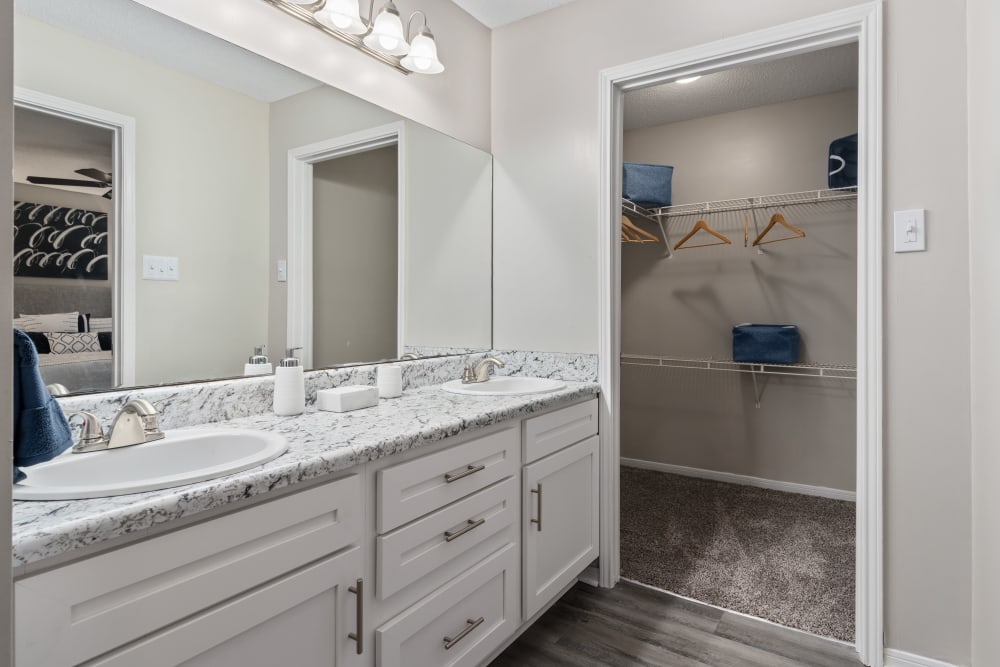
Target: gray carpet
{"type": "Point", "coordinates": [785, 557]}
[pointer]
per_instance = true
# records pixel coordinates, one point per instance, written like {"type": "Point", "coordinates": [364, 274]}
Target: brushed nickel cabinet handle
{"type": "Point", "coordinates": [538, 521]}
{"type": "Point", "coordinates": [470, 626]}
{"type": "Point", "coordinates": [450, 535]}
{"type": "Point", "coordinates": [471, 470]}
{"type": "Point", "coordinates": [359, 636]}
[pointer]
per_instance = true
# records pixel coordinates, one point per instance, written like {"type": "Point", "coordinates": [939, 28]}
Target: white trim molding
{"type": "Point", "coordinates": [300, 227]}
{"type": "Point", "coordinates": [862, 25]}
{"type": "Point", "coordinates": [745, 480]}
{"type": "Point", "coordinates": [896, 658]}
{"type": "Point", "coordinates": [123, 265]}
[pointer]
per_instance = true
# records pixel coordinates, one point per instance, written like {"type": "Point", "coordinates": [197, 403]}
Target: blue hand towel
{"type": "Point", "coordinates": [41, 431]}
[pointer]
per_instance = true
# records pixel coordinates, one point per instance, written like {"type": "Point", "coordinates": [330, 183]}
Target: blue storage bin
{"type": "Point", "coordinates": [843, 163]}
{"type": "Point", "coordinates": [766, 343]}
{"type": "Point", "coordinates": [647, 184]}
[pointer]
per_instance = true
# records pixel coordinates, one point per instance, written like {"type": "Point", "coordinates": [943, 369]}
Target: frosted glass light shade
{"type": "Point", "coordinates": [423, 57]}
{"type": "Point", "coordinates": [387, 33]}
{"type": "Point", "coordinates": [342, 15]}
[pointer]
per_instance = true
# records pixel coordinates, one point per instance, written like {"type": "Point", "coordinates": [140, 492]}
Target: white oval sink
{"type": "Point", "coordinates": [502, 385]}
{"type": "Point", "coordinates": [182, 457]}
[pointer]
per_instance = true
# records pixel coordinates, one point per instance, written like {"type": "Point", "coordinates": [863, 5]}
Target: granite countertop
{"type": "Point", "coordinates": [319, 443]}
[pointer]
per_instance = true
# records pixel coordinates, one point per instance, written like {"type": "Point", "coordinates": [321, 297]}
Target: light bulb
{"type": "Point", "coordinates": [388, 43]}
{"type": "Point", "coordinates": [423, 56]}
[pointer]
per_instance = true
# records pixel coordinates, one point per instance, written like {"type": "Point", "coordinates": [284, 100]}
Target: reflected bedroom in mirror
{"type": "Point", "coordinates": [181, 211]}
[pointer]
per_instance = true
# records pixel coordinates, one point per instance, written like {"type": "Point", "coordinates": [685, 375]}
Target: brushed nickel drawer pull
{"type": "Point", "coordinates": [359, 636]}
{"type": "Point", "coordinates": [450, 535]}
{"type": "Point", "coordinates": [471, 470]}
{"type": "Point", "coordinates": [470, 626]}
{"type": "Point", "coordinates": [539, 519]}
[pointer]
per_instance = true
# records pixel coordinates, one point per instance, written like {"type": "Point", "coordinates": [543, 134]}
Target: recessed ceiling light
{"type": "Point", "coordinates": [688, 79]}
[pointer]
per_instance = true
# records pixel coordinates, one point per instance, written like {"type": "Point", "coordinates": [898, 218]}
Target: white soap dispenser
{"type": "Point", "coordinates": [289, 386]}
{"type": "Point", "coordinates": [258, 364]}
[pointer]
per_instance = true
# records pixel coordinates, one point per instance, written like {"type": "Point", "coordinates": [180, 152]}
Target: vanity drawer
{"type": "Point", "coordinates": [418, 487]}
{"type": "Point", "coordinates": [407, 554]}
{"type": "Point", "coordinates": [460, 624]}
{"type": "Point", "coordinates": [548, 433]}
{"type": "Point", "coordinates": [78, 611]}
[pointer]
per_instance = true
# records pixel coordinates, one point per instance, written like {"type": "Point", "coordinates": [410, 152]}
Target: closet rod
{"type": "Point", "coordinates": [831, 371]}
{"type": "Point", "coordinates": [743, 204]}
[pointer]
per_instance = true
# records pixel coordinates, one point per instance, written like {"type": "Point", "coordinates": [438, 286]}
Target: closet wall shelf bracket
{"type": "Point", "coordinates": [631, 208]}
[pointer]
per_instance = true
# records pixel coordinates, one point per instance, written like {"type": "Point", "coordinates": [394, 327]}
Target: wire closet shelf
{"type": "Point", "coordinates": [831, 371]}
{"type": "Point", "coordinates": [742, 204]}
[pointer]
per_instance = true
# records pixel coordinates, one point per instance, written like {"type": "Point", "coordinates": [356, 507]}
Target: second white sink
{"type": "Point", "coordinates": [182, 457]}
{"type": "Point", "coordinates": [502, 385]}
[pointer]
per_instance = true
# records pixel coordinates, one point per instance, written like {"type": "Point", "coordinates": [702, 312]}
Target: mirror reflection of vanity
{"type": "Point", "coordinates": [243, 204]}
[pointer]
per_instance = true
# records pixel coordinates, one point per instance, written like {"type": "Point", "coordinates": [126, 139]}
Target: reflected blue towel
{"type": "Point", "coordinates": [41, 431]}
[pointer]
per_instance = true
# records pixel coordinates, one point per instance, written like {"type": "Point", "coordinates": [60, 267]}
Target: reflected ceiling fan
{"type": "Point", "coordinates": [101, 179]}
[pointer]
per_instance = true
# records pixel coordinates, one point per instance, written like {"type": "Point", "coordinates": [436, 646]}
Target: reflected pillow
{"type": "Point", "coordinates": [40, 341]}
{"type": "Point", "coordinates": [70, 343]}
{"type": "Point", "coordinates": [100, 324]}
{"type": "Point", "coordinates": [54, 322]}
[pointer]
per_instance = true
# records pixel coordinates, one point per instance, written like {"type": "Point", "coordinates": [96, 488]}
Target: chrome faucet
{"type": "Point", "coordinates": [481, 371]}
{"type": "Point", "coordinates": [136, 423]}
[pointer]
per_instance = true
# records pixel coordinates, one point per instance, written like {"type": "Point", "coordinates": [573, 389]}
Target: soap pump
{"type": "Point", "coordinates": [289, 385]}
{"type": "Point", "coordinates": [258, 364]}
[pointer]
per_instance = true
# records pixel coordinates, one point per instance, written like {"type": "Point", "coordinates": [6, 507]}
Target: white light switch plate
{"type": "Point", "coordinates": [282, 271]}
{"type": "Point", "coordinates": [160, 268]}
{"type": "Point", "coordinates": [909, 231]}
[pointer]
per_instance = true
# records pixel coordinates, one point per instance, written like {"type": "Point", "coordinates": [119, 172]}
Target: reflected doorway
{"type": "Point", "coordinates": [355, 247]}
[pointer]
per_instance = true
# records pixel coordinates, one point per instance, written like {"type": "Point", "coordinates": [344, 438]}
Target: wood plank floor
{"type": "Point", "coordinates": [634, 625]}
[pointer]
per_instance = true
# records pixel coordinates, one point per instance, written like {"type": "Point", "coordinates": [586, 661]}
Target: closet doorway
{"type": "Point", "coordinates": [749, 480]}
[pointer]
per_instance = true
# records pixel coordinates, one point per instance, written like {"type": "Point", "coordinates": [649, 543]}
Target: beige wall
{"type": "Point", "coordinates": [804, 430]}
{"type": "Point", "coordinates": [456, 102]}
{"type": "Point", "coordinates": [6, 304]}
{"type": "Point", "coordinates": [984, 174]}
{"type": "Point", "coordinates": [355, 241]}
{"type": "Point", "coordinates": [201, 193]}
{"type": "Point", "coordinates": [546, 146]}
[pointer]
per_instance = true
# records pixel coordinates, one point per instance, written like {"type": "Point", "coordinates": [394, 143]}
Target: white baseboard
{"type": "Point", "coordinates": [896, 658]}
{"type": "Point", "coordinates": [746, 480]}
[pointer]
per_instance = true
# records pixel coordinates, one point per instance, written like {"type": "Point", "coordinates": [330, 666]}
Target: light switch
{"type": "Point", "coordinates": [282, 271]}
{"type": "Point", "coordinates": [160, 268]}
{"type": "Point", "coordinates": [909, 231]}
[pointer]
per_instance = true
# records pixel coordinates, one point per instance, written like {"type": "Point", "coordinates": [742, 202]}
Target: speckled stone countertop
{"type": "Point", "coordinates": [319, 443]}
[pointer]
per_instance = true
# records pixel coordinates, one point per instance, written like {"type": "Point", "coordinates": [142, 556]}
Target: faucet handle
{"type": "Point", "coordinates": [91, 432]}
{"type": "Point", "coordinates": [468, 375]}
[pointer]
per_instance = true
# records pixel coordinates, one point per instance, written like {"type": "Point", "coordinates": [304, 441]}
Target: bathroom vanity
{"type": "Point", "coordinates": [426, 531]}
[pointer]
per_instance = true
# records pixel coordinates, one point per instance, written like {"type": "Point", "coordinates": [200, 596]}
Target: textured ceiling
{"type": "Point", "coordinates": [46, 145]}
{"type": "Point", "coordinates": [131, 27]}
{"type": "Point", "coordinates": [495, 13]}
{"type": "Point", "coordinates": [805, 75]}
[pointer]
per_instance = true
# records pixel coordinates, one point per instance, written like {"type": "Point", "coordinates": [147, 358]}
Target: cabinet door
{"type": "Point", "coordinates": [303, 619]}
{"type": "Point", "coordinates": [560, 521]}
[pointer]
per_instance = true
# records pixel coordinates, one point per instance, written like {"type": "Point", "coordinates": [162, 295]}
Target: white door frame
{"type": "Point", "coordinates": [123, 205]}
{"type": "Point", "coordinates": [300, 226]}
{"type": "Point", "coordinates": [861, 24]}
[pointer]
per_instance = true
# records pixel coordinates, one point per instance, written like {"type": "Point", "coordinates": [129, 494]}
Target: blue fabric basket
{"type": "Point", "coordinates": [843, 163]}
{"type": "Point", "coordinates": [766, 343]}
{"type": "Point", "coordinates": [647, 184]}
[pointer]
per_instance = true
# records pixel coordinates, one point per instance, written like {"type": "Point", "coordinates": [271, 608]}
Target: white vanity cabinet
{"type": "Point", "coordinates": [560, 501]}
{"type": "Point", "coordinates": [211, 589]}
{"type": "Point", "coordinates": [434, 557]}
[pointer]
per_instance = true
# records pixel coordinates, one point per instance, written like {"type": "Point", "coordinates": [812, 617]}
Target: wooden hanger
{"type": "Point", "coordinates": [636, 234]}
{"type": "Point", "coordinates": [778, 219]}
{"type": "Point", "coordinates": [701, 225]}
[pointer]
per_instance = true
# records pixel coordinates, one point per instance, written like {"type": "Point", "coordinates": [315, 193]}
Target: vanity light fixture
{"type": "Point", "coordinates": [381, 35]}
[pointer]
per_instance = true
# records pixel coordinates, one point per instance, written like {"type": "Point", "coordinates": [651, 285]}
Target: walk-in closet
{"type": "Point", "coordinates": [738, 443]}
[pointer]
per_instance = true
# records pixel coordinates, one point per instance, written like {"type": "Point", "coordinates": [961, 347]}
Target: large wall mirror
{"type": "Point", "coordinates": [181, 201]}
